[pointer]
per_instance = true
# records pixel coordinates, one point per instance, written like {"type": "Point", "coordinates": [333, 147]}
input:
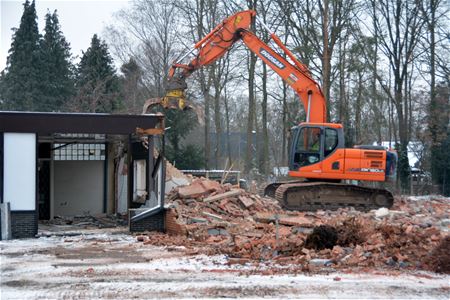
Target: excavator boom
{"type": "Point", "coordinates": [235, 28]}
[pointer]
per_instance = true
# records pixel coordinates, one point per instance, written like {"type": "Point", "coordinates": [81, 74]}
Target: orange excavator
{"type": "Point", "coordinates": [318, 157]}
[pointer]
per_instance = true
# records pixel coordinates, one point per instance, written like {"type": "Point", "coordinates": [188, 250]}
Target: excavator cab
{"type": "Point", "coordinates": [311, 143]}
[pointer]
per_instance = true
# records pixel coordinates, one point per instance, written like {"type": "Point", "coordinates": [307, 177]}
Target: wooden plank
{"type": "Point", "coordinates": [231, 193]}
{"type": "Point", "coordinates": [150, 131]}
{"type": "Point", "coordinates": [212, 216]}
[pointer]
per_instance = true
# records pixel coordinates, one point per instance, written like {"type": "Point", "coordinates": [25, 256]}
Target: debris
{"type": "Point", "coordinates": [231, 193]}
{"type": "Point", "coordinates": [247, 202]}
{"type": "Point", "coordinates": [210, 218]}
{"type": "Point", "coordinates": [217, 231]}
{"type": "Point", "coordinates": [197, 220]}
{"type": "Point", "coordinates": [296, 221]}
{"type": "Point", "coordinates": [194, 190]}
{"type": "Point", "coordinates": [321, 262]}
{"type": "Point", "coordinates": [350, 233]}
{"type": "Point", "coordinates": [322, 237]}
{"type": "Point", "coordinates": [382, 212]}
{"type": "Point", "coordinates": [440, 257]}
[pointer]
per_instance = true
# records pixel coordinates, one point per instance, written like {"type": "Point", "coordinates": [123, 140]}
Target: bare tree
{"type": "Point", "coordinates": [148, 32]}
{"type": "Point", "coordinates": [399, 25]}
{"type": "Point", "coordinates": [318, 25]}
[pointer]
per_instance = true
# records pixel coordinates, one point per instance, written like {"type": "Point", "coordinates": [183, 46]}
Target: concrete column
{"type": "Point", "coordinates": [6, 220]}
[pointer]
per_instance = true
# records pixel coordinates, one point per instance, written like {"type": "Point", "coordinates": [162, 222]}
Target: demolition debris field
{"type": "Point", "coordinates": [208, 218]}
{"type": "Point", "coordinates": [222, 241]}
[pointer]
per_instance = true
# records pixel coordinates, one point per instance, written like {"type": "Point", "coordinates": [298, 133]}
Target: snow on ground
{"type": "Point", "coordinates": [105, 264]}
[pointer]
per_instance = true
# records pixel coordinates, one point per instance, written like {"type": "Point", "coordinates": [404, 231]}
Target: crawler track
{"type": "Point", "coordinates": [311, 196]}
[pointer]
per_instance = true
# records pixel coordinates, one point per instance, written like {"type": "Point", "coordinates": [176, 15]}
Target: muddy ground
{"type": "Point", "coordinates": [110, 264]}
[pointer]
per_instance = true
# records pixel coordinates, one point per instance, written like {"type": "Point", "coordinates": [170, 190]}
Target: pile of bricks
{"type": "Point", "coordinates": [207, 217]}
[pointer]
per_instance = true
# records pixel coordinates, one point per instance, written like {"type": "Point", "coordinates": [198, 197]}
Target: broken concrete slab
{"type": "Point", "coordinates": [217, 231]}
{"type": "Point", "coordinates": [197, 220]}
{"type": "Point", "coordinates": [382, 212]}
{"type": "Point", "coordinates": [175, 182]}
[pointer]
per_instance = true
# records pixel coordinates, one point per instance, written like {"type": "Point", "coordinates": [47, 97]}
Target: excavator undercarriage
{"type": "Point", "coordinates": [312, 196]}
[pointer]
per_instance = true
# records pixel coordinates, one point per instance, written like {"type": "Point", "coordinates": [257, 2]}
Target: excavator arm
{"type": "Point", "coordinates": [214, 45]}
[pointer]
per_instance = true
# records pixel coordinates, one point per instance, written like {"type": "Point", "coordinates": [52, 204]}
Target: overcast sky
{"type": "Point", "coordinates": [79, 20]}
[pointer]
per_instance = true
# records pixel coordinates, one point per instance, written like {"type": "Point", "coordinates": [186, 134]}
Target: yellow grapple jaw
{"type": "Point", "coordinates": [174, 99]}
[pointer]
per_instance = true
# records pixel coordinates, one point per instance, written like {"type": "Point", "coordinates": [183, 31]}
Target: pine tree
{"type": "Point", "coordinates": [19, 82]}
{"type": "Point", "coordinates": [132, 91]}
{"type": "Point", "coordinates": [56, 80]}
{"type": "Point", "coordinates": [97, 82]}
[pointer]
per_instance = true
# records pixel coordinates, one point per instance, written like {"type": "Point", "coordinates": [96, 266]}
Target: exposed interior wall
{"type": "Point", "coordinates": [122, 186]}
{"type": "Point", "coordinates": [111, 195]}
{"type": "Point", "coordinates": [78, 187]}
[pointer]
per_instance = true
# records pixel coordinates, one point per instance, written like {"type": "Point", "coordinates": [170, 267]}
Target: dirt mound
{"type": "Point", "coordinates": [322, 237]}
{"type": "Point", "coordinates": [350, 233]}
{"type": "Point", "coordinates": [439, 260]}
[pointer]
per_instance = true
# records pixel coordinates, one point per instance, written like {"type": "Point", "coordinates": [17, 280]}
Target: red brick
{"type": "Point", "coordinates": [211, 186]}
{"type": "Point", "coordinates": [247, 202]}
{"type": "Point", "coordinates": [296, 221]}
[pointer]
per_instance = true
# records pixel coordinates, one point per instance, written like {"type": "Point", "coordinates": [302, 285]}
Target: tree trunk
{"type": "Point", "coordinates": [326, 57]}
{"type": "Point", "coordinates": [265, 151]}
{"type": "Point", "coordinates": [217, 120]}
{"type": "Point", "coordinates": [249, 155]}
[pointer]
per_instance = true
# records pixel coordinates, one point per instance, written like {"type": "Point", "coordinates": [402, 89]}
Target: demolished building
{"type": "Point", "coordinates": [67, 164]}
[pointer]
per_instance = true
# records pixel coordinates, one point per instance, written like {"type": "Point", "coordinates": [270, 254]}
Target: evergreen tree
{"type": "Point", "coordinates": [19, 82]}
{"type": "Point", "coordinates": [56, 80]}
{"type": "Point", "coordinates": [438, 123]}
{"type": "Point", "coordinates": [97, 82]}
{"type": "Point", "coordinates": [131, 88]}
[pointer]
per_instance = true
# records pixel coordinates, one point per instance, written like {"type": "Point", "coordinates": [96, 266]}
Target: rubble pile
{"type": "Point", "coordinates": [212, 218]}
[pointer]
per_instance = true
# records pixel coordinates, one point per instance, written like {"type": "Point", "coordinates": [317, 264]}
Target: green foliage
{"type": "Point", "coordinates": [438, 121]}
{"type": "Point", "coordinates": [445, 175]}
{"type": "Point", "coordinates": [96, 80]}
{"type": "Point", "coordinates": [57, 84]}
{"type": "Point", "coordinates": [131, 88]}
{"type": "Point", "coordinates": [179, 124]}
{"type": "Point", "coordinates": [20, 81]}
{"type": "Point", "coordinates": [404, 171]}
{"type": "Point", "coordinates": [190, 157]}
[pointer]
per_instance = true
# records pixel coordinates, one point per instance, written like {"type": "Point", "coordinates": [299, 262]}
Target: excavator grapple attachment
{"type": "Point", "coordinates": [174, 99]}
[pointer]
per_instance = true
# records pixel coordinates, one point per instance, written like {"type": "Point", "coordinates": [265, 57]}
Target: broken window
{"type": "Point", "coordinates": [140, 182]}
{"type": "Point", "coordinates": [79, 151]}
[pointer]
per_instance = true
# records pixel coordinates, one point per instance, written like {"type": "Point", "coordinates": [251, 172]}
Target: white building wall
{"type": "Point", "coordinates": [20, 170]}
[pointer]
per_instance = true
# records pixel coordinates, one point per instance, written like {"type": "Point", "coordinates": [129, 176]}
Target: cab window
{"type": "Point", "coordinates": [309, 140]}
{"type": "Point", "coordinates": [331, 141]}
{"type": "Point", "coordinates": [307, 150]}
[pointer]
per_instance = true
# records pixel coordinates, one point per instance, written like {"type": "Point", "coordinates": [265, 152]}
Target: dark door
{"type": "Point", "coordinates": [44, 189]}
